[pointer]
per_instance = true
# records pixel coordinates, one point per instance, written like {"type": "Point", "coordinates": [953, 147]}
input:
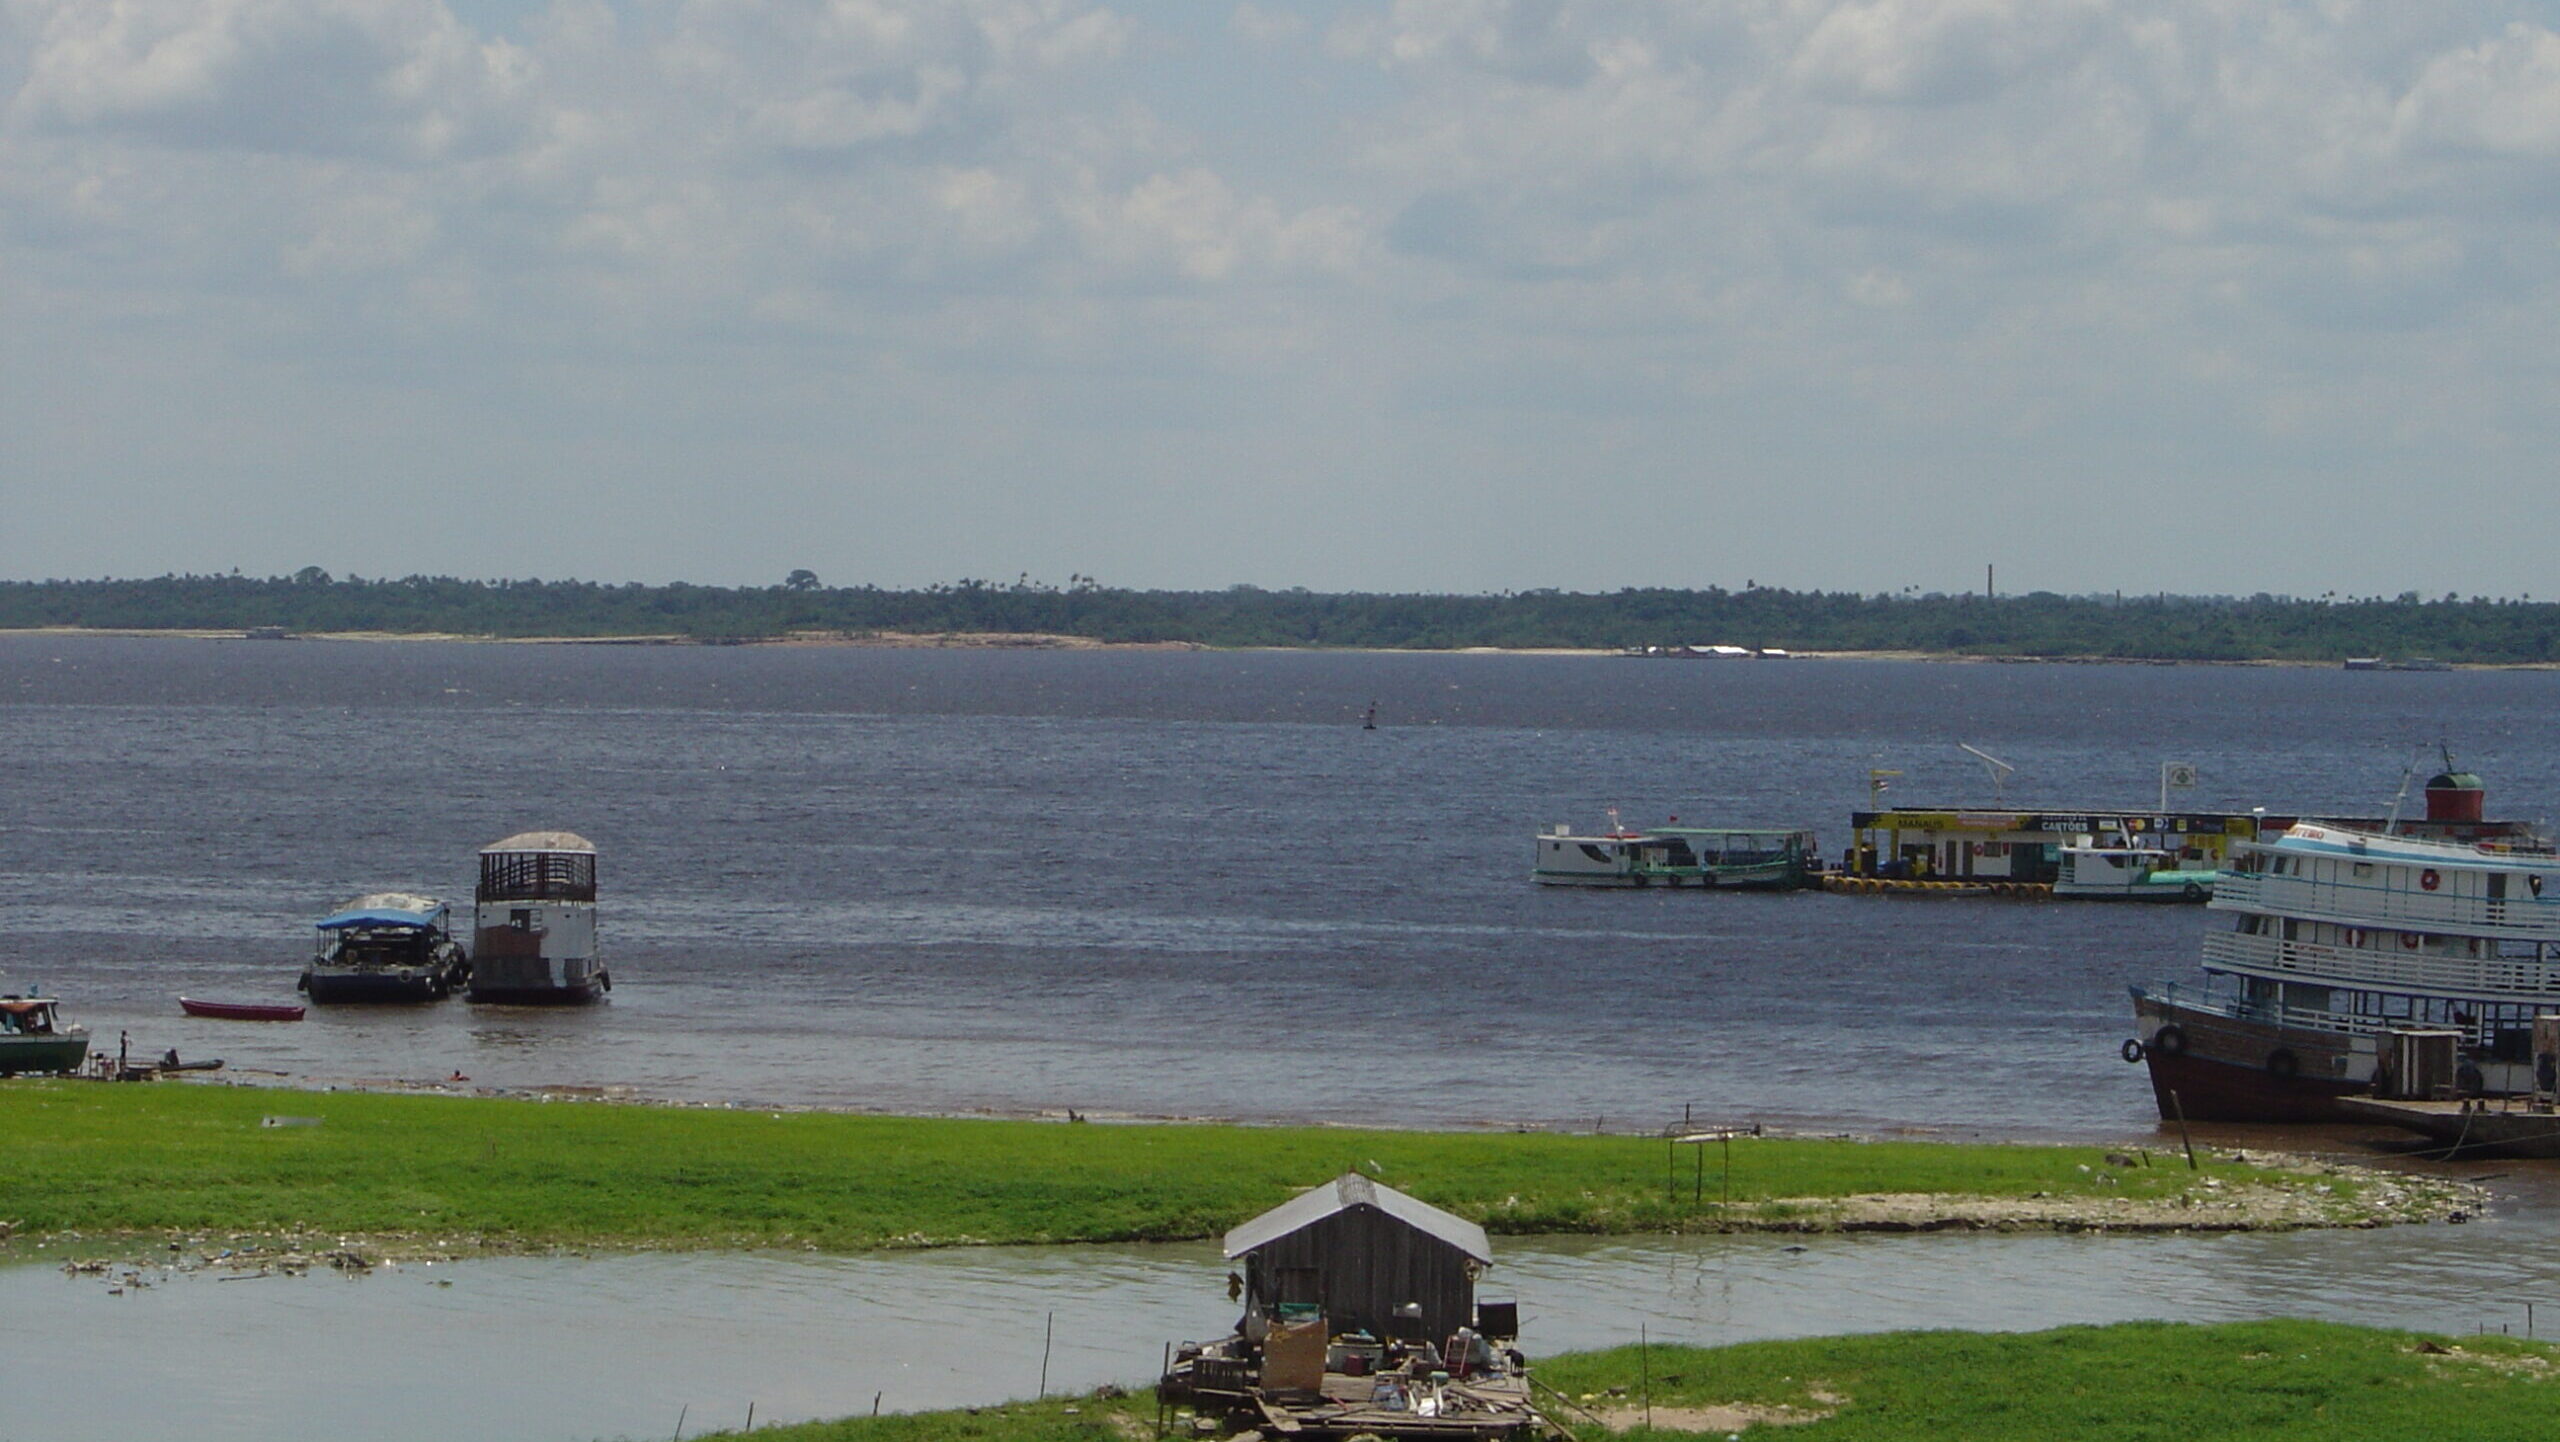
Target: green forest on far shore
{"type": "Point", "coordinates": [2451, 628]}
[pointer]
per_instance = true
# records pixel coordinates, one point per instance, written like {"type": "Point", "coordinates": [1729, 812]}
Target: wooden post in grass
{"type": "Point", "coordinates": [2181, 1113]}
{"type": "Point", "coordinates": [1644, 1360]}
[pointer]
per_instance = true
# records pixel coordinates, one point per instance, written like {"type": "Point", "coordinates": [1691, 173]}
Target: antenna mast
{"type": "Point", "coordinates": [2391, 826]}
{"type": "Point", "coordinates": [1998, 768]}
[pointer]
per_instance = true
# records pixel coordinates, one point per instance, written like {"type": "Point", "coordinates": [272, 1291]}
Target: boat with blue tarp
{"type": "Point", "coordinates": [387, 946]}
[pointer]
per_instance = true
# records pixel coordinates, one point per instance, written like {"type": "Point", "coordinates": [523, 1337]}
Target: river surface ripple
{"type": "Point", "coordinates": [1154, 884]}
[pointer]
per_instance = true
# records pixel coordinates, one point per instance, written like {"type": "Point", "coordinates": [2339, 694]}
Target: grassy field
{"type": "Point", "coordinates": [2136, 1382]}
{"type": "Point", "coordinates": [102, 1159]}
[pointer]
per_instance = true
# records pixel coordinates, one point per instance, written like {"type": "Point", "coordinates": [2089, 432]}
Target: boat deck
{"type": "Point", "coordinates": [2510, 1126]}
{"type": "Point", "coordinates": [1347, 1405]}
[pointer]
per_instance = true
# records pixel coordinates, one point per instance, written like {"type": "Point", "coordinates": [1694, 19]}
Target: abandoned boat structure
{"type": "Point", "coordinates": [386, 946]}
{"type": "Point", "coordinates": [1360, 1317]}
{"type": "Point", "coordinates": [534, 927]}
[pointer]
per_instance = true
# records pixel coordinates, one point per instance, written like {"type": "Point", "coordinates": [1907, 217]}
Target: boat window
{"type": "Point", "coordinates": [2364, 868]}
{"type": "Point", "coordinates": [2497, 886]}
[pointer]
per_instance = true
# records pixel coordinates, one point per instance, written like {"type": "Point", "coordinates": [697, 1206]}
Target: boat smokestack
{"type": "Point", "coordinates": [2455, 796]}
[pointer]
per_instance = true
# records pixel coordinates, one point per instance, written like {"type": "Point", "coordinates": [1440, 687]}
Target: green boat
{"type": "Point", "coordinates": [33, 1037]}
{"type": "Point", "coordinates": [1743, 858]}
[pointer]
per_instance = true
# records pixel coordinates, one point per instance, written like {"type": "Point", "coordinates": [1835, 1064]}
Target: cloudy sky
{"type": "Point", "coordinates": [2195, 295]}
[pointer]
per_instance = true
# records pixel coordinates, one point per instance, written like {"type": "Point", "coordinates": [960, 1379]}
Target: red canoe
{"type": "Point", "coordinates": [241, 1010]}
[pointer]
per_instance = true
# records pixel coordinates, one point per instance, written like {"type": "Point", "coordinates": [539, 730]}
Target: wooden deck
{"type": "Point", "coordinates": [2507, 1126]}
{"type": "Point", "coordinates": [1345, 1405]}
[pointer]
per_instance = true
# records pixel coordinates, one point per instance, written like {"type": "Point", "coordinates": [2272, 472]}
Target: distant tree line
{"type": "Point", "coordinates": [2038, 624]}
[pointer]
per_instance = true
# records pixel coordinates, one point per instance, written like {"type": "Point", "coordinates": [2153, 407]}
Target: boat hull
{"type": "Point", "coordinates": [329, 988]}
{"type": "Point", "coordinates": [2468, 1127]}
{"type": "Point", "coordinates": [239, 1010]}
{"type": "Point", "coordinates": [2188, 892]}
{"type": "Point", "coordinates": [2210, 1067]}
{"type": "Point", "coordinates": [1739, 879]}
{"type": "Point", "coordinates": [579, 995]}
{"type": "Point", "coordinates": [31, 1055]}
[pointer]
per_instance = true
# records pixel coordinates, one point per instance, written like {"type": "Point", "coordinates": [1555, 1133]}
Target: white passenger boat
{"type": "Point", "coordinates": [2356, 960]}
{"type": "Point", "coordinates": [1763, 859]}
{"type": "Point", "coordinates": [2129, 873]}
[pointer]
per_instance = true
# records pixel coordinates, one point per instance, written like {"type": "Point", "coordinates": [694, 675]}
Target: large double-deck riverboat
{"type": "Point", "coordinates": [2347, 943]}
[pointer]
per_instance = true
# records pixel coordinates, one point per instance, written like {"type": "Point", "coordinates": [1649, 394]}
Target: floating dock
{"type": "Point", "coordinates": [1841, 885]}
{"type": "Point", "coordinates": [2507, 1126]}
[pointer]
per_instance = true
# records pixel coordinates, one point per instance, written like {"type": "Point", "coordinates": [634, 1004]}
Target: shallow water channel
{"type": "Point", "coordinates": [547, 1349]}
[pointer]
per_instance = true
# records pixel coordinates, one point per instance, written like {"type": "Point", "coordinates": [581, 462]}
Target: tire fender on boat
{"type": "Point", "coordinates": [2133, 1049]}
{"type": "Point", "coordinates": [2170, 1040]}
{"type": "Point", "coordinates": [2283, 1065]}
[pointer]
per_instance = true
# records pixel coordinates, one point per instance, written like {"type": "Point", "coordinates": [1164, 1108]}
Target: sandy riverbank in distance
{"type": "Point", "coordinates": [1051, 641]}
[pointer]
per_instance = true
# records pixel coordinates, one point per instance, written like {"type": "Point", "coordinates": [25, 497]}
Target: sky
{"type": "Point", "coordinates": [1394, 295]}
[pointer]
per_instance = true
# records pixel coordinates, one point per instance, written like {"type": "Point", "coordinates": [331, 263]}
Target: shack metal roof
{"type": "Point", "coordinates": [540, 841]}
{"type": "Point", "coordinates": [1354, 1190]}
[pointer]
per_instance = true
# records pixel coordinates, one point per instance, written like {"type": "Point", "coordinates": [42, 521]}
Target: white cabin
{"type": "Point", "coordinates": [534, 921]}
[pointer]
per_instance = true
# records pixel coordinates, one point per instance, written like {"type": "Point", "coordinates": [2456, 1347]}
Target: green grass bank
{"type": "Point", "coordinates": [2135, 1382]}
{"type": "Point", "coordinates": [104, 1160]}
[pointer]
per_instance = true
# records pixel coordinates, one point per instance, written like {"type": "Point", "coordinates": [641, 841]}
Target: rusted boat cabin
{"type": "Point", "coordinates": [1360, 1317]}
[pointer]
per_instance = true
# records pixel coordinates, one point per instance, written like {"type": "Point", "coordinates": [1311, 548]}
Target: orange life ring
{"type": "Point", "coordinates": [2428, 879]}
{"type": "Point", "coordinates": [2409, 940]}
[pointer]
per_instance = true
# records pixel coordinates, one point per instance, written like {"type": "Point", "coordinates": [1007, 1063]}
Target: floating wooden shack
{"type": "Point", "coordinates": [534, 921]}
{"type": "Point", "coordinates": [1360, 1316]}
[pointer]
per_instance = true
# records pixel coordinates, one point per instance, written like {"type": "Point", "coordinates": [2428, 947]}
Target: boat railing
{"type": "Point", "coordinates": [2353, 904]}
{"type": "Point", "coordinates": [2382, 969]}
{"type": "Point", "coordinates": [2284, 1017]}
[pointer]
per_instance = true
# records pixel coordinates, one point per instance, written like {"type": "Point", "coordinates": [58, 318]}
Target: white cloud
{"type": "Point", "coordinates": [1941, 52]}
{"type": "Point", "coordinates": [2499, 99]}
{"type": "Point", "coordinates": [396, 78]}
{"type": "Point", "coordinates": [1429, 264]}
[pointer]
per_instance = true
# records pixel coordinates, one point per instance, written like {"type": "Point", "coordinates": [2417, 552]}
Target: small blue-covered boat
{"type": "Point", "coordinates": [387, 946]}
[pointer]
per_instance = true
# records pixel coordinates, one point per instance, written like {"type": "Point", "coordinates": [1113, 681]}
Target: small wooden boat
{"type": "Point", "coordinates": [241, 1010]}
